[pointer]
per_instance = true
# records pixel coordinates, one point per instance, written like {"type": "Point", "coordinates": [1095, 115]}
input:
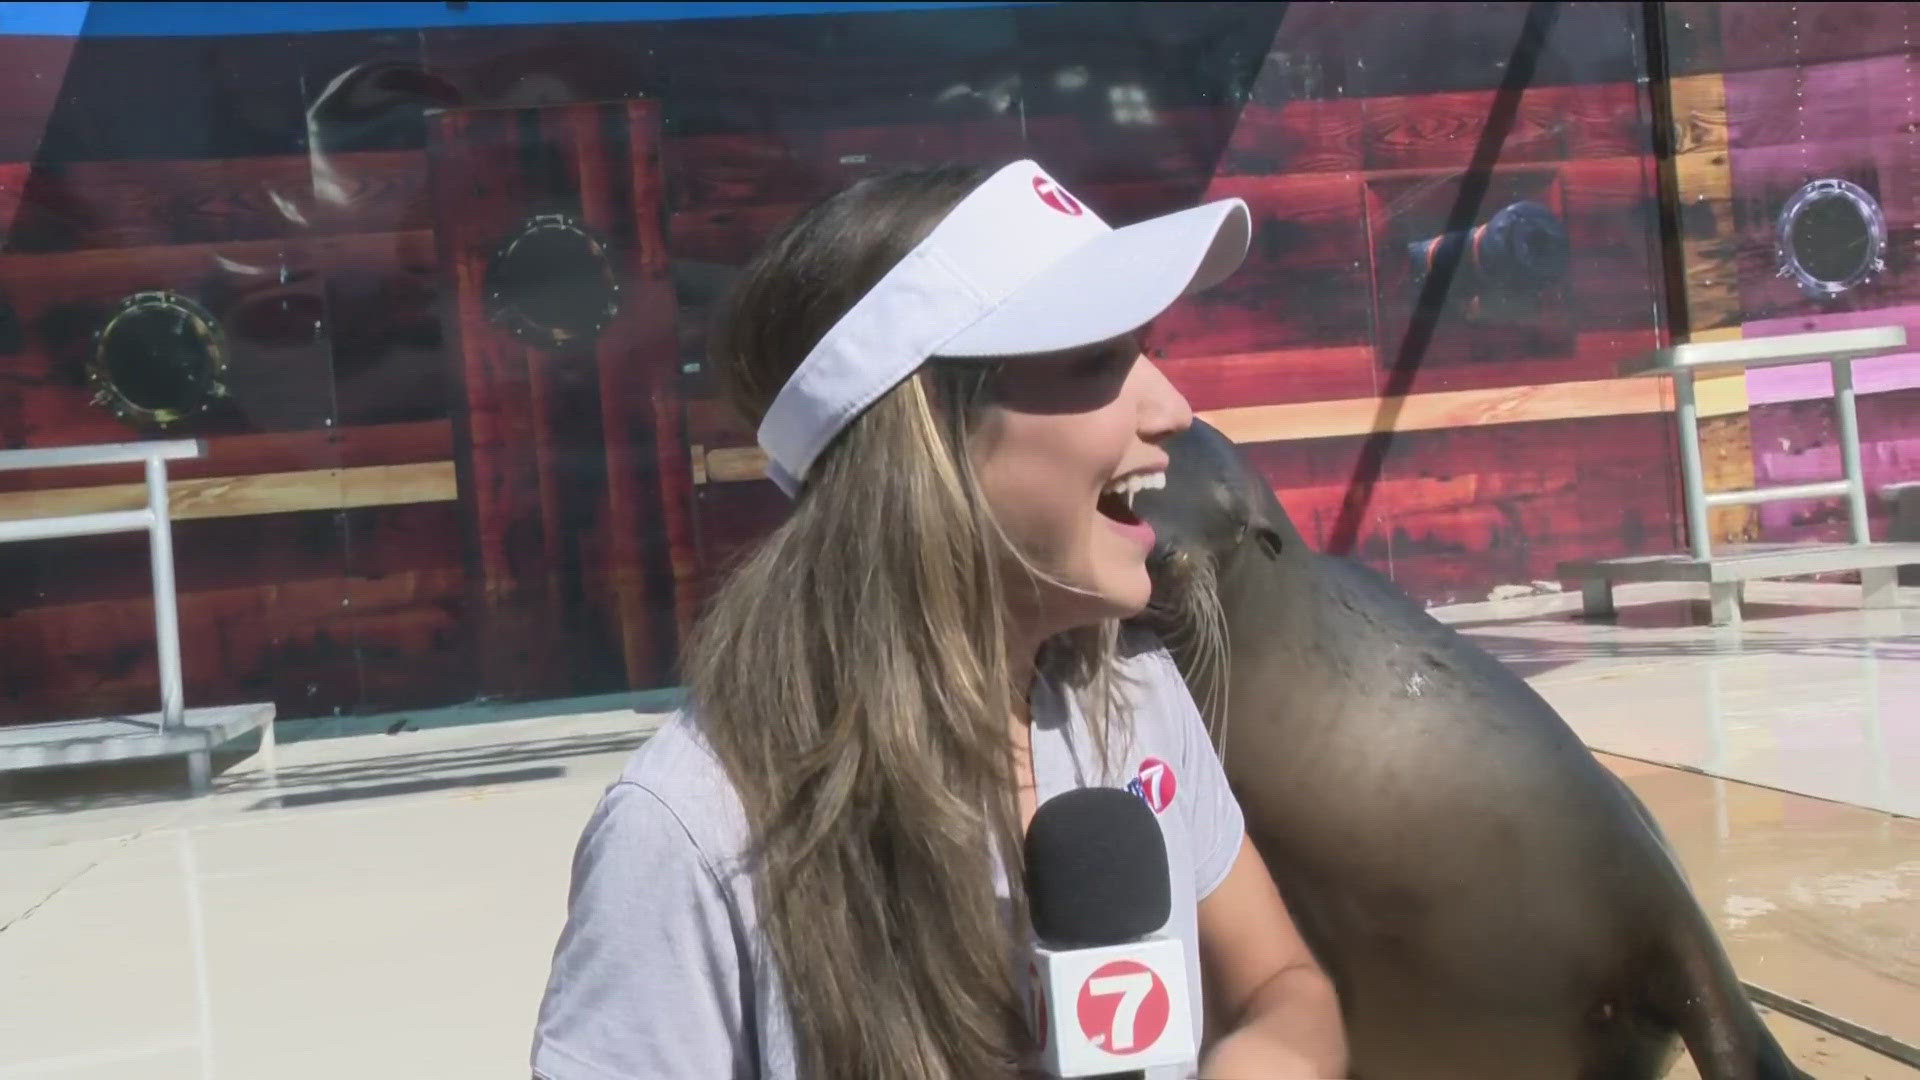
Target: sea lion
{"type": "Point", "coordinates": [1487, 898]}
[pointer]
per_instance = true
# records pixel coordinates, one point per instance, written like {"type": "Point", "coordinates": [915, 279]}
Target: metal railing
{"type": "Point", "coordinates": [154, 518]}
{"type": "Point", "coordinates": [1839, 349]}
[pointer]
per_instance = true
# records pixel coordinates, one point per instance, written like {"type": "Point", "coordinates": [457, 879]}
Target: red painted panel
{"type": "Point", "coordinates": [1272, 378]}
{"type": "Point", "coordinates": [1612, 222]}
{"type": "Point", "coordinates": [1304, 280]}
{"type": "Point", "coordinates": [296, 645]}
{"type": "Point", "coordinates": [1296, 137]}
{"type": "Point", "coordinates": [1534, 494]}
{"type": "Point", "coordinates": [573, 457]}
{"type": "Point", "coordinates": [1414, 131]}
{"type": "Point", "coordinates": [32, 70]}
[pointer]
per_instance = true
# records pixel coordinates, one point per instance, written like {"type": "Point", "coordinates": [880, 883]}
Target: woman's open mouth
{"type": "Point", "coordinates": [1116, 504]}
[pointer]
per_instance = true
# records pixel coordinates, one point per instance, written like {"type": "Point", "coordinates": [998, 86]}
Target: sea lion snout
{"type": "Point", "coordinates": [1201, 510]}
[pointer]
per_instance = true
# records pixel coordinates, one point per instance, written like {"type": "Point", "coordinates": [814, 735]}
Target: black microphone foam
{"type": "Point", "coordinates": [1096, 869]}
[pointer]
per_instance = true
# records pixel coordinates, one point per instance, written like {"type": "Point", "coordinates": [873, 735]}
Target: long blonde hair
{"type": "Point", "coordinates": [852, 678]}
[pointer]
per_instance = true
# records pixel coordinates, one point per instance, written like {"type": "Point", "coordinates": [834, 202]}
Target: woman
{"type": "Point", "coordinates": [806, 873]}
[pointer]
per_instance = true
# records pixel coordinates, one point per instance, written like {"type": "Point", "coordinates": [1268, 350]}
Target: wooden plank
{"type": "Point", "coordinates": [1445, 409]}
{"type": "Point", "coordinates": [1440, 130]}
{"type": "Point", "coordinates": [649, 464]}
{"type": "Point", "coordinates": [1594, 355]}
{"type": "Point", "coordinates": [1178, 145]}
{"type": "Point", "coordinates": [129, 204]}
{"type": "Point", "coordinates": [292, 451]}
{"type": "Point", "coordinates": [480, 184]}
{"type": "Point", "coordinates": [1703, 178]}
{"type": "Point", "coordinates": [1726, 444]}
{"type": "Point", "coordinates": [796, 165]}
{"type": "Point", "coordinates": [1546, 492]}
{"type": "Point", "coordinates": [1300, 136]}
{"type": "Point", "coordinates": [1603, 120]}
{"type": "Point", "coordinates": [248, 496]}
{"type": "Point", "coordinates": [1416, 412]}
{"type": "Point", "coordinates": [1286, 375]}
{"type": "Point", "coordinates": [1726, 463]}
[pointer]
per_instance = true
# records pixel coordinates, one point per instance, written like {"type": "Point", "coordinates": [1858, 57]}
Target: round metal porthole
{"type": "Point", "coordinates": [158, 359]}
{"type": "Point", "coordinates": [1831, 237]}
{"type": "Point", "coordinates": [553, 283]}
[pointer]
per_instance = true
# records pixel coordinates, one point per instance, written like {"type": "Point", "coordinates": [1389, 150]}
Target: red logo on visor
{"type": "Point", "coordinates": [1056, 196]}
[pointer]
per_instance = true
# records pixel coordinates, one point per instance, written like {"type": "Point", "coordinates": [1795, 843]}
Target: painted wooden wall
{"type": "Point", "coordinates": [1766, 97]}
{"type": "Point", "coordinates": [334, 547]}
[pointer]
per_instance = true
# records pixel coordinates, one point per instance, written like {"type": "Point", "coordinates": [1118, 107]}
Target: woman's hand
{"type": "Point", "coordinates": [1255, 1054]}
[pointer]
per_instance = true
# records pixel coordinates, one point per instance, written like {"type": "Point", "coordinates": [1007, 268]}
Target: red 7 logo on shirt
{"type": "Point", "coordinates": [1155, 784]}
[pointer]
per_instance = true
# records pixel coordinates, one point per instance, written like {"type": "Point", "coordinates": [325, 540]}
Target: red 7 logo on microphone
{"type": "Point", "coordinates": [1123, 1007]}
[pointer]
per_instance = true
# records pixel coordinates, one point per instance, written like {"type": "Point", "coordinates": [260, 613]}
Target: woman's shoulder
{"type": "Point", "coordinates": [677, 771]}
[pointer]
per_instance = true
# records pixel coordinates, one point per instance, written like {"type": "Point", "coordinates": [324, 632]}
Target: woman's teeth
{"type": "Point", "coordinates": [1128, 486]}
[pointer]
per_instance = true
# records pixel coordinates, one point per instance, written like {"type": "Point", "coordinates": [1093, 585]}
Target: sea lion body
{"type": "Point", "coordinates": [1489, 900]}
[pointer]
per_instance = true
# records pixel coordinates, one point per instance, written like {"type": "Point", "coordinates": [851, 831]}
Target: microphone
{"type": "Point", "coordinates": [1107, 988]}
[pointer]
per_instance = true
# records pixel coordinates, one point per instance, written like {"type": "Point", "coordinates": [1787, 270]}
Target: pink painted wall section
{"type": "Point", "coordinates": [1805, 382]}
{"type": "Point", "coordinates": [1813, 92]}
{"type": "Point", "coordinates": [1797, 442]}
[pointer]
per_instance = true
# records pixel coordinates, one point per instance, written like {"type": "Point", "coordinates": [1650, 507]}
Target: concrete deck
{"type": "Point", "coordinates": [388, 908]}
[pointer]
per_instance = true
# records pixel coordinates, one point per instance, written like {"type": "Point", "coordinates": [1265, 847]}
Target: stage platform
{"type": "Point", "coordinates": [395, 898]}
{"type": "Point", "coordinates": [198, 733]}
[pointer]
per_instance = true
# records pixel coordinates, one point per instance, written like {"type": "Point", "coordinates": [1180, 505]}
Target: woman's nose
{"type": "Point", "coordinates": [1164, 411]}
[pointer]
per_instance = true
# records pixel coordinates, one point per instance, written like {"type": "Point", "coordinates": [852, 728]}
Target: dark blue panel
{"type": "Point", "coordinates": [161, 19]}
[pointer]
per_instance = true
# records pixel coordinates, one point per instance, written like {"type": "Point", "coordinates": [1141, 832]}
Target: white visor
{"type": "Point", "coordinates": [1018, 267]}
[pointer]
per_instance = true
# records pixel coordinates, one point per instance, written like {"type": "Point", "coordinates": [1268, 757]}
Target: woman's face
{"type": "Point", "coordinates": [1065, 438]}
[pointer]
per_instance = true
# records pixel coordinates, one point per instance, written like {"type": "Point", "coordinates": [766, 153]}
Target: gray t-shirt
{"type": "Point", "coordinates": [659, 971]}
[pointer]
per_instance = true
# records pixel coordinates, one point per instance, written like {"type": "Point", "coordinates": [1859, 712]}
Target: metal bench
{"type": "Point", "coordinates": [1726, 571]}
{"type": "Point", "coordinates": [175, 730]}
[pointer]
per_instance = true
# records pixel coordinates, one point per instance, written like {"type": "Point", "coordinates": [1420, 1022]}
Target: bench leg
{"type": "Point", "coordinates": [200, 771]}
{"type": "Point", "coordinates": [1596, 598]}
{"type": "Point", "coordinates": [1879, 587]}
{"type": "Point", "coordinates": [1723, 602]}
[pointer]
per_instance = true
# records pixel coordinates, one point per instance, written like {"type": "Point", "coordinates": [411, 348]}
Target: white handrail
{"type": "Point", "coordinates": [67, 457]}
{"type": "Point", "coordinates": [154, 517]}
